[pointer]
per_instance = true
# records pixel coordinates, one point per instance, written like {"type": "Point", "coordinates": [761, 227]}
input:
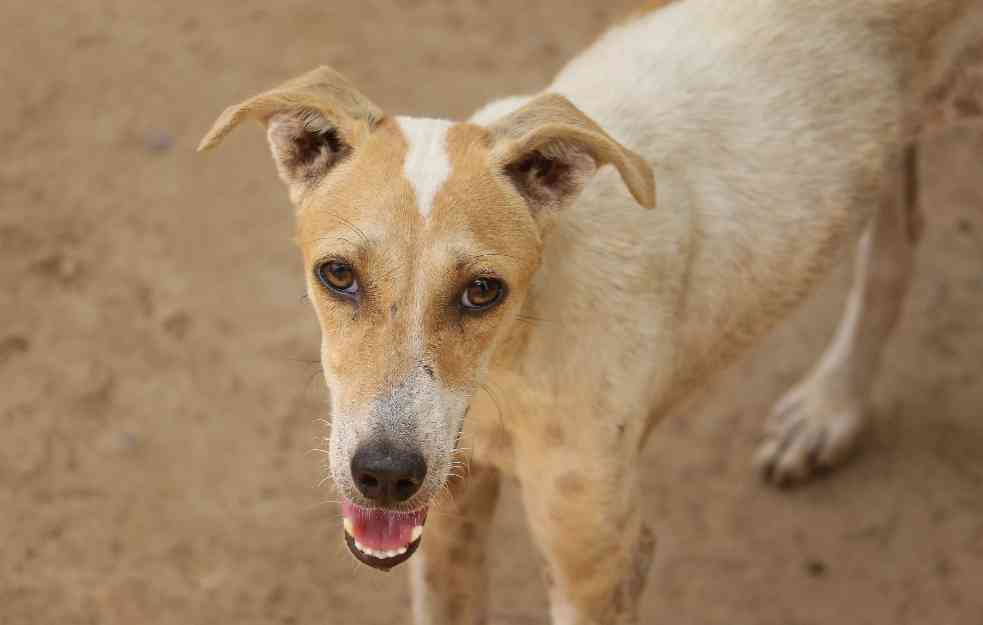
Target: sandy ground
{"type": "Point", "coordinates": [158, 401]}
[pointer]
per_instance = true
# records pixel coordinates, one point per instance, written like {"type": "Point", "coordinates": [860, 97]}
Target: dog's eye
{"type": "Point", "coordinates": [338, 276]}
{"type": "Point", "coordinates": [482, 293]}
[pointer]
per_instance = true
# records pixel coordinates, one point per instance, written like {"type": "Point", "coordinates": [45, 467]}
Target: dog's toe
{"type": "Point", "coordinates": [806, 435]}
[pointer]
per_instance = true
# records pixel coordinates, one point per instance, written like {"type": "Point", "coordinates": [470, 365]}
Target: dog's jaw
{"type": "Point", "coordinates": [382, 539]}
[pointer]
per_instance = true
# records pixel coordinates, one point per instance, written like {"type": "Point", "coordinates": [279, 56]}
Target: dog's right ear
{"type": "Point", "coordinates": [312, 123]}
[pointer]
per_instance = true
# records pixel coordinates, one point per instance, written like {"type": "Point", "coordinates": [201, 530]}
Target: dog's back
{"type": "Point", "coordinates": [752, 114]}
{"type": "Point", "coordinates": [817, 62]}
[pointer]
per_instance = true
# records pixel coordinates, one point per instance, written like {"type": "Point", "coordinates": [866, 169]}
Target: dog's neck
{"type": "Point", "coordinates": [694, 280]}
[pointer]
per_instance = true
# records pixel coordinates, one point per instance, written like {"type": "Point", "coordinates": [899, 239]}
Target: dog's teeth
{"type": "Point", "coordinates": [417, 532]}
{"type": "Point", "coordinates": [349, 526]}
{"type": "Point", "coordinates": [366, 550]}
{"type": "Point", "coordinates": [381, 554]}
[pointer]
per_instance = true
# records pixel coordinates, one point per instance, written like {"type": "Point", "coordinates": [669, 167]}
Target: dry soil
{"type": "Point", "coordinates": [159, 401]}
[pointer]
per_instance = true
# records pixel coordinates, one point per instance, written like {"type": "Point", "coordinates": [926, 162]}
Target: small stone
{"type": "Point", "coordinates": [95, 384]}
{"type": "Point", "coordinates": [158, 141]}
{"type": "Point", "coordinates": [59, 266]}
{"type": "Point", "coordinates": [176, 324]}
{"type": "Point", "coordinates": [12, 346]}
{"type": "Point", "coordinates": [816, 568]}
{"type": "Point", "coordinates": [121, 442]}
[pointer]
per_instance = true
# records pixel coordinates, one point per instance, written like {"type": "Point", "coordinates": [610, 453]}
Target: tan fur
{"type": "Point", "coordinates": [322, 89]}
{"type": "Point", "coordinates": [649, 6]}
{"type": "Point", "coordinates": [654, 5]}
{"type": "Point", "coordinates": [322, 93]}
{"type": "Point", "coordinates": [775, 129]}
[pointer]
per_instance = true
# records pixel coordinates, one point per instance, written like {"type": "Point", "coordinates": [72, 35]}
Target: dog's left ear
{"type": "Point", "coordinates": [550, 149]}
{"type": "Point", "coordinates": [313, 122]}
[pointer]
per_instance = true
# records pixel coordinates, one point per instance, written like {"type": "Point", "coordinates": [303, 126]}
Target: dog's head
{"type": "Point", "coordinates": [420, 238]}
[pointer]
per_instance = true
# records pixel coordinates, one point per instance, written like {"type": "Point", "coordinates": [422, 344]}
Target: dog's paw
{"type": "Point", "coordinates": [808, 432]}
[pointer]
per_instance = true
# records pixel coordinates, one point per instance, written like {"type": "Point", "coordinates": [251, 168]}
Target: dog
{"type": "Point", "coordinates": [493, 282]}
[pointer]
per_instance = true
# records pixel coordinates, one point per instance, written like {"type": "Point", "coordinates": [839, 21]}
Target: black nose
{"type": "Point", "coordinates": [385, 473]}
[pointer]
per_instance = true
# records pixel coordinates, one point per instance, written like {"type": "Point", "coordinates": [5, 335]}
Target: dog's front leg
{"type": "Point", "coordinates": [448, 575]}
{"type": "Point", "coordinates": [583, 511]}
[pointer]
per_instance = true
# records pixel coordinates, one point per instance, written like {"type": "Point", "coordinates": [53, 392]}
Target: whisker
{"type": "Point", "coordinates": [498, 407]}
{"type": "Point", "coordinates": [531, 319]}
{"type": "Point", "coordinates": [306, 361]}
{"type": "Point", "coordinates": [354, 228]}
{"type": "Point", "coordinates": [325, 502]}
{"type": "Point", "coordinates": [476, 259]}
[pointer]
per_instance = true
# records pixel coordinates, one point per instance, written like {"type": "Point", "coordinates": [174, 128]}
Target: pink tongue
{"type": "Point", "coordinates": [382, 530]}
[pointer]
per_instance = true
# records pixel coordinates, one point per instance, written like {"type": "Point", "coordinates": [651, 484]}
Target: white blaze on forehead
{"type": "Point", "coordinates": [427, 166]}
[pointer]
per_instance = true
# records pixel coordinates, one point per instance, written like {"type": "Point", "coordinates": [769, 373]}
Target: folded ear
{"type": "Point", "coordinates": [312, 122]}
{"type": "Point", "coordinates": [550, 149]}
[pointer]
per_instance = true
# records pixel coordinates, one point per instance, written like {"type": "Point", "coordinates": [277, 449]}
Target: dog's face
{"type": "Point", "coordinates": [413, 283]}
{"type": "Point", "coordinates": [420, 239]}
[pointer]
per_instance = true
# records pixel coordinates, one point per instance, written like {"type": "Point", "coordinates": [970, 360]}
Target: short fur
{"type": "Point", "coordinates": [774, 129]}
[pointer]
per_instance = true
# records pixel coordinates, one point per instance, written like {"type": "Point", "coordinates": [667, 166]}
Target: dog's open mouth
{"type": "Point", "coordinates": [382, 538]}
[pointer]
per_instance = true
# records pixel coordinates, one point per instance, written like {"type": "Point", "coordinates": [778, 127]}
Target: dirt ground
{"type": "Point", "coordinates": [159, 401]}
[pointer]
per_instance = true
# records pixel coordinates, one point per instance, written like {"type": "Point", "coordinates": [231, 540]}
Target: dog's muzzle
{"type": "Point", "coordinates": [386, 475]}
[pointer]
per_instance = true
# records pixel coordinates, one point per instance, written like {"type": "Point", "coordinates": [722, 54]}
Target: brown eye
{"type": "Point", "coordinates": [482, 293]}
{"type": "Point", "coordinates": [338, 276]}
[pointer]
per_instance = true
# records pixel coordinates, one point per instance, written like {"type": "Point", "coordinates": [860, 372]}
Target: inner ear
{"type": "Point", "coordinates": [550, 177]}
{"type": "Point", "coordinates": [305, 147]}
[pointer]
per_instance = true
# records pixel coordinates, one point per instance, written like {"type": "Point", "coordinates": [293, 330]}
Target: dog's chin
{"type": "Point", "coordinates": [382, 538]}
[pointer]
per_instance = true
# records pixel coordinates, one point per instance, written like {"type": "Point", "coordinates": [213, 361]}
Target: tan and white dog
{"type": "Point", "coordinates": [502, 255]}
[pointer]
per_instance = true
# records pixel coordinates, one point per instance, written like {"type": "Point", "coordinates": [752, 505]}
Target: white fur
{"type": "Point", "coordinates": [497, 109]}
{"type": "Point", "coordinates": [562, 612]}
{"type": "Point", "coordinates": [427, 165]}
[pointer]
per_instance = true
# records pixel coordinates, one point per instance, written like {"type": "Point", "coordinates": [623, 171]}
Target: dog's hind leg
{"type": "Point", "coordinates": [816, 424]}
{"type": "Point", "coordinates": [448, 576]}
